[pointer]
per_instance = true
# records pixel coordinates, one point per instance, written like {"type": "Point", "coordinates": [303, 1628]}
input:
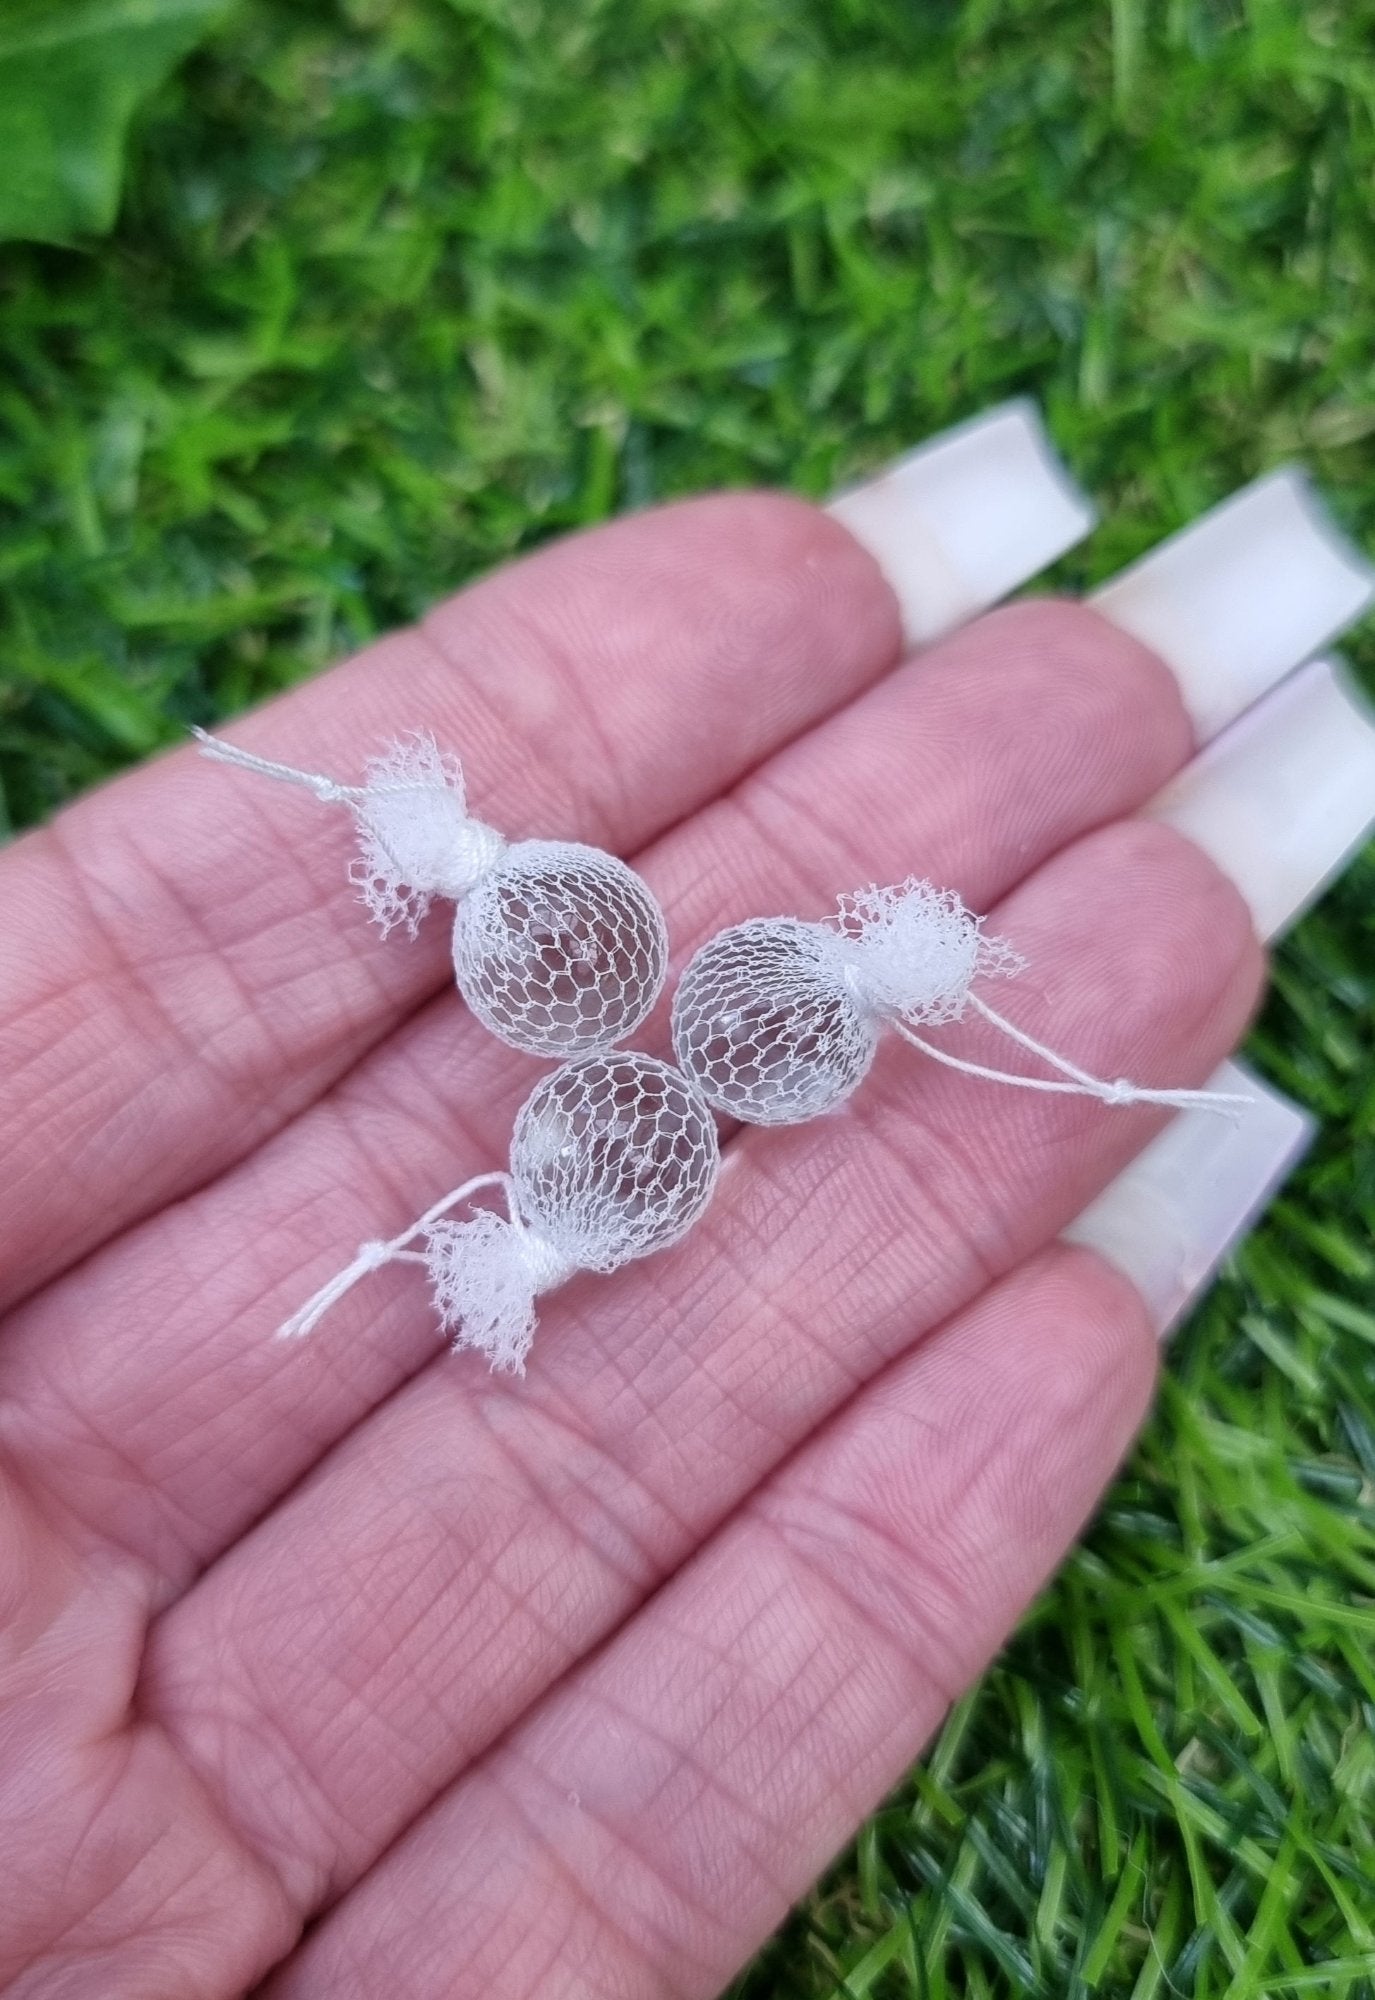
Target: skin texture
{"type": "Point", "coordinates": [346, 1667]}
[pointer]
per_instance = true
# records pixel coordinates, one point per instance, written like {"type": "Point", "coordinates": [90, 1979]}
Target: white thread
{"type": "Point", "coordinates": [416, 839]}
{"type": "Point", "coordinates": [613, 1156]}
{"type": "Point", "coordinates": [325, 788]}
{"type": "Point", "coordinates": [777, 1020]}
{"type": "Point", "coordinates": [373, 1255]}
{"type": "Point", "coordinates": [1120, 1091]}
{"type": "Point", "coordinates": [559, 949]}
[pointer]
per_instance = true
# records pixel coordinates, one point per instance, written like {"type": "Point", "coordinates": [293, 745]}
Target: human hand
{"type": "Point", "coordinates": [569, 1685]}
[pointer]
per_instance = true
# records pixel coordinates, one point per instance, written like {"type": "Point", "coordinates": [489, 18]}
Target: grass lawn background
{"type": "Point", "coordinates": [401, 287]}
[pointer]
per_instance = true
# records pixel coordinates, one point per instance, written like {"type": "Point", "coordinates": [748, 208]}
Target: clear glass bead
{"type": "Point", "coordinates": [613, 1156]}
{"type": "Point", "coordinates": [767, 1024]}
{"type": "Point", "coordinates": [560, 949]}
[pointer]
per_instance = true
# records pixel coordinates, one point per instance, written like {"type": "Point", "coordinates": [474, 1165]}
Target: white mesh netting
{"type": "Point", "coordinates": [485, 1275]}
{"type": "Point", "coordinates": [560, 949]}
{"type": "Point", "coordinates": [777, 1020]}
{"type": "Point", "coordinates": [916, 949]}
{"type": "Point", "coordinates": [613, 1156]}
{"type": "Point", "coordinates": [415, 838]}
{"type": "Point", "coordinates": [765, 1025]}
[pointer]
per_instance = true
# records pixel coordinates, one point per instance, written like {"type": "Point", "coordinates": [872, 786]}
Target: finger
{"type": "Point", "coordinates": [120, 1878]}
{"type": "Point", "coordinates": [463, 1547]}
{"type": "Point", "coordinates": [1169, 1219]}
{"type": "Point", "coordinates": [188, 964]}
{"type": "Point", "coordinates": [980, 759]}
{"type": "Point", "coordinates": [648, 1825]}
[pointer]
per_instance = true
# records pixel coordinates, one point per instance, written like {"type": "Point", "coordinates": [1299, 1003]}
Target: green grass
{"type": "Point", "coordinates": [401, 287]}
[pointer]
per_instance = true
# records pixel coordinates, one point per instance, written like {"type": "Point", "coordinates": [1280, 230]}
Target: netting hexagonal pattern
{"type": "Point", "coordinates": [561, 949]}
{"type": "Point", "coordinates": [766, 1025]}
{"type": "Point", "coordinates": [613, 1156]}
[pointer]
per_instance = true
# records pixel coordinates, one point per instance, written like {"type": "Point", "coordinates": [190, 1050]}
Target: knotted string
{"type": "Point", "coordinates": [417, 839]}
{"type": "Point", "coordinates": [324, 788]}
{"type": "Point", "coordinates": [1083, 1084]}
{"type": "Point", "coordinates": [776, 1020]}
{"type": "Point", "coordinates": [373, 1255]}
{"type": "Point", "coordinates": [559, 948]}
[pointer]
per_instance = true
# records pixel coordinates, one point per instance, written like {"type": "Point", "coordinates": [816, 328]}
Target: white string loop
{"type": "Point", "coordinates": [1120, 1091]}
{"type": "Point", "coordinates": [373, 1255]}
{"type": "Point", "coordinates": [416, 837]}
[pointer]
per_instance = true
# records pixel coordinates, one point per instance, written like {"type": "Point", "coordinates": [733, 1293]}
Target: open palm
{"type": "Point", "coordinates": [352, 1669]}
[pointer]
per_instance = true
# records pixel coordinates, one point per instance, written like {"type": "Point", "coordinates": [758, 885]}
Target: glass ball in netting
{"type": "Point", "coordinates": [560, 949]}
{"type": "Point", "coordinates": [767, 1025]}
{"type": "Point", "coordinates": [613, 1156]}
